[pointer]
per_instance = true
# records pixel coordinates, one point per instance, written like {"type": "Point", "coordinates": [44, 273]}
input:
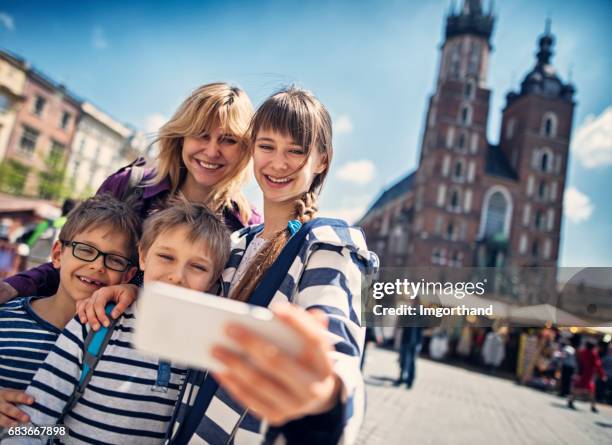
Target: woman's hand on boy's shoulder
{"type": "Point", "coordinates": [10, 415]}
{"type": "Point", "coordinates": [93, 309]}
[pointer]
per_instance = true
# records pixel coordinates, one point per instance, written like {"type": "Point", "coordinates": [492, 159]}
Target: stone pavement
{"type": "Point", "coordinates": [451, 405]}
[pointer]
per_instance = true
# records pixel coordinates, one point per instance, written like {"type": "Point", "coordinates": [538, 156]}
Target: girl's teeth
{"type": "Point", "coordinates": [209, 166]}
{"type": "Point", "coordinates": [278, 181]}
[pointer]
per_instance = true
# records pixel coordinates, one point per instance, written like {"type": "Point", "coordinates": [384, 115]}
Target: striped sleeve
{"type": "Point", "coordinates": [56, 379]}
{"type": "Point", "coordinates": [332, 281]}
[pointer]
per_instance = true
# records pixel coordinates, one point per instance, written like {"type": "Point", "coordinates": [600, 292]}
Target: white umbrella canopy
{"type": "Point", "coordinates": [542, 314]}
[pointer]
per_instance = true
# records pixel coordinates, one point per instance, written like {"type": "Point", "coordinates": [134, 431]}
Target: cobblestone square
{"type": "Point", "coordinates": [451, 405]}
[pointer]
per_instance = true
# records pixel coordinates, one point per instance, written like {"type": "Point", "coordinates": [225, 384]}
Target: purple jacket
{"type": "Point", "coordinates": [44, 280]}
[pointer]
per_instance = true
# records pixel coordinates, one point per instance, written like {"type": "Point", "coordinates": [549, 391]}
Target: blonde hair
{"type": "Point", "coordinates": [202, 225]}
{"type": "Point", "coordinates": [299, 114]}
{"type": "Point", "coordinates": [209, 106]}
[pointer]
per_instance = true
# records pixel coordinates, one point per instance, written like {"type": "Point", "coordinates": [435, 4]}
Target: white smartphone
{"type": "Point", "coordinates": [182, 325]}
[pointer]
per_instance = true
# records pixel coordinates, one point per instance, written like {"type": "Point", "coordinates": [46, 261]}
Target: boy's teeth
{"type": "Point", "coordinates": [209, 166]}
{"type": "Point", "coordinates": [87, 280]}
{"type": "Point", "coordinates": [279, 181]}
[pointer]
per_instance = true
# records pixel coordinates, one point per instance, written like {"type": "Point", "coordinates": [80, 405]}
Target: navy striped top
{"type": "Point", "coordinates": [129, 399]}
{"type": "Point", "coordinates": [25, 341]}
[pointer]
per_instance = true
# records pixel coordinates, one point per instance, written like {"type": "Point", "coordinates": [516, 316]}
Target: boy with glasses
{"type": "Point", "coordinates": [130, 396]}
{"type": "Point", "coordinates": [96, 248]}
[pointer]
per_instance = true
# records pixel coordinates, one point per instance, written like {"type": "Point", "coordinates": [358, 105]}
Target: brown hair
{"type": "Point", "coordinates": [209, 106]}
{"type": "Point", "coordinates": [299, 114]}
{"type": "Point", "coordinates": [104, 210]}
{"type": "Point", "coordinates": [202, 224]}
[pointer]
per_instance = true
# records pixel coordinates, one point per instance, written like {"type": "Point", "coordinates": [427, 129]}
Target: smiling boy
{"type": "Point", "coordinates": [96, 248]}
{"type": "Point", "coordinates": [130, 396]}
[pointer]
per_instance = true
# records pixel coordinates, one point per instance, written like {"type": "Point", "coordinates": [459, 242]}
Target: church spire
{"type": "Point", "coordinates": [471, 19]}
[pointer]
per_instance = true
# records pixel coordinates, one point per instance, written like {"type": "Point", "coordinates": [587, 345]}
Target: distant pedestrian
{"type": "Point", "coordinates": [568, 367]}
{"type": "Point", "coordinates": [410, 346]}
{"type": "Point", "coordinates": [372, 334]}
{"type": "Point", "coordinates": [589, 363]}
{"type": "Point", "coordinates": [494, 349]}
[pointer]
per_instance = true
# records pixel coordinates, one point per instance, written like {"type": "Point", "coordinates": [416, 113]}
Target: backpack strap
{"type": "Point", "coordinates": [262, 296]}
{"type": "Point", "coordinates": [137, 172]}
{"type": "Point", "coordinates": [93, 348]}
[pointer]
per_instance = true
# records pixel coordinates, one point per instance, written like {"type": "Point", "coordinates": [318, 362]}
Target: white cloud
{"type": "Point", "coordinates": [98, 38]}
{"type": "Point", "coordinates": [343, 124]}
{"type": "Point", "coordinates": [592, 144]}
{"type": "Point", "coordinates": [6, 21]}
{"type": "Point", "coordinates": [577, 206]}
{"type": "Point", "coordinates": [349, 214]}
{"type": "Point", "coordinates": [153, 122]}
{"type": "Point", "coordinates": [357, 172]}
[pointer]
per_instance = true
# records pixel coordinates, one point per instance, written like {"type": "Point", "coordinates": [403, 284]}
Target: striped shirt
{"type": "Point", "coordinates": [327, 274]}
{"type": "Point", "coordinates": [25, 341]}
{"type": "Point", "coordinates": [129, 399]}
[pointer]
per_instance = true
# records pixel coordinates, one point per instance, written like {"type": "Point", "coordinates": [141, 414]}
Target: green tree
{"type": "Point", "coordinates": [13, 176]}
{"type": "Point", "coordinates": [51, 184]}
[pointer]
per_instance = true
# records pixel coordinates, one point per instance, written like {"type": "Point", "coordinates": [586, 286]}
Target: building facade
{"type": "Point", "coordinates": [469, 202]}
{"type": "Point", "coordinates": [12, 83]}
{"type": "Point", "coordinates": [97, 151]}
{"type": "Point", "coordinates": [42, 132]}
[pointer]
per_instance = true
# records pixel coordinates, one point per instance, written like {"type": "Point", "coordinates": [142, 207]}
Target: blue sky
{"type": "Point", "coordinates": [371, 62]}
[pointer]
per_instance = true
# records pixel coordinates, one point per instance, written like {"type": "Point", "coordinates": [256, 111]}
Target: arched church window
{"type": "Point", "coordinates": [495, 222]}
{"type": "Point", "coordinates": [549, 125]}
{"type": "Point", "coordinates": [466, 115]}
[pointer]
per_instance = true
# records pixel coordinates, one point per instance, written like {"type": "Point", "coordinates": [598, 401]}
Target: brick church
{"type": "Point", "coordinates": [471, 203]}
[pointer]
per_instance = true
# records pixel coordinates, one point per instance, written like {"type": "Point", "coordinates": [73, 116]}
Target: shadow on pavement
{"type": "Point", "coordinates": [603, 424]}
{"type": "Point", "coordinates": [375, 380]}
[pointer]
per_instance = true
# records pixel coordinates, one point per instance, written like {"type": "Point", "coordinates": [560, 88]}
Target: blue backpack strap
{"type": "Point", "coordinates": [93, 348]}
{"type": "Point", "coordinates": [262, 295]}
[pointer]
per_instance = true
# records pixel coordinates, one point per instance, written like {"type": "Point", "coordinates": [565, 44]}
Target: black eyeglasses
{"type": "Point", "coordinates": [90, 254]}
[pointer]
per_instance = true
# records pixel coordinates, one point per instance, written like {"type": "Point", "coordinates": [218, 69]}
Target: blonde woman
{"type": "Point", "coordinates": [203, 155]}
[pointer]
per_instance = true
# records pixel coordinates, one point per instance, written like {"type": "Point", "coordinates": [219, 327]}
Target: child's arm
{"type": "Point", "coordinates": [93, 309]}
{"type": "Point", "coordinates": [56, 379]}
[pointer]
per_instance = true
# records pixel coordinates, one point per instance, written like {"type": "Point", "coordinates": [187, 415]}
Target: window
{"type": "Point", "coordinates": [450, 231]}
{"type": "Point", "coordinates": [436, 256]}
{"type": "Point", "coordinates": [538, 219]}
{"type": "Point", "coordinates": [535, 248]}
{"type": "Point", "coordinates": [466, 115]}
{"type": "Point", "coordinates": [542, 190]}
{"type": "Point", "coordinates": [65, 121]}
{"type": "Point", "coordinates": [56, 154]}
{"type": "Point", "coordinates": [39, 105]}
{"type": "Point", "coordinates": [474, 58]}
{"type": "Point", "coordinates": [468, 91]}
{"type": "Point", "coordinates": [461, 144]}
{"type": "Point", "coordinates": [454, 200]}
{"type": "Point", "coordinates": [27, 143]}
{"type": "Point", "coordinates": [4, 102]}
{"type": "Point", "coordinates": [544, 162]}
{"type": "Point", "coordinates": [549, 125]}
{"type": "Point", "coordinates": [458, 170]}
{"type": "Point", "coordinates": [495, 222]}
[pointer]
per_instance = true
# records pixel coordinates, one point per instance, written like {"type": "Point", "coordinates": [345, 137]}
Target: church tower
{"type": "Point", "coordinates": [535, 137]}
{"type": "Point", "coordinates": [454, 144]}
